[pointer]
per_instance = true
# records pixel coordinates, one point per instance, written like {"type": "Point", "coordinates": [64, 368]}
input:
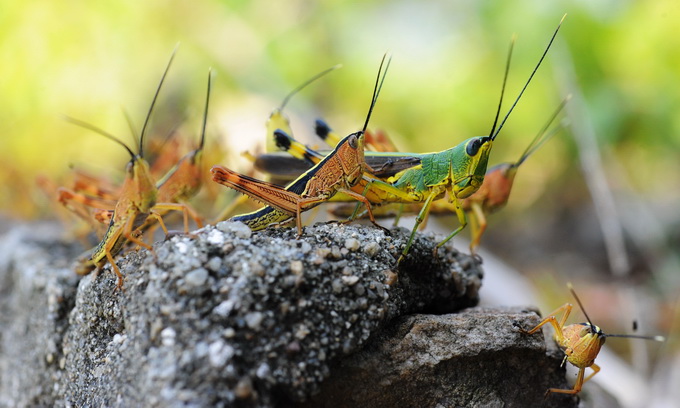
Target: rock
{"type": "Point", "coordinates": [219, 318]}
{"type": "Point", "coordinates": [475, 358]}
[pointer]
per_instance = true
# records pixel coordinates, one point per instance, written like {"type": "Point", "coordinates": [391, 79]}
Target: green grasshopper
{"type": "Point", "coordinates": [337, 172]}
{"type": "Point", "coordinates": [458, 171]}
{"type": "Point", "coordinates": [581, 342]}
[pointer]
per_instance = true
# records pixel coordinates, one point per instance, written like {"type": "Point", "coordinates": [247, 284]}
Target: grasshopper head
{"type": "Point", "coordinates": [468, 166]}
{"type": "Point", "coordinates": [582, 343]}
{"type": "Point", "coordinates": [138, 189]}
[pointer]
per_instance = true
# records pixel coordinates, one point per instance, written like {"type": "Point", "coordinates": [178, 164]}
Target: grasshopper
{"type": "Point", "coordinates": [277, 121]}
{"type": "Point", "coordinates": [137, 197]}
{"type": "Point", "coordinates": [495, 191]}
{"type": "Point", "coordinates": [337, 172]}
{"type": "Point", "coordinates": [581, 342]}
{"type": "Point", "coordinates": [178, 185]}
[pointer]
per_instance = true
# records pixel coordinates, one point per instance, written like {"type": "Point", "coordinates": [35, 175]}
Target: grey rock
{"type": "Point", "coordinates": [474, 358]}
{"type": "Point", "coordinates": [264, 328]}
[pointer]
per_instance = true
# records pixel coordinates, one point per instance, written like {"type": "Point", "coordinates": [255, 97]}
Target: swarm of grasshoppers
{"type": "Point", "coordinates": [345, 173]}
{"type": "Point", "coordinates": [457, 172]}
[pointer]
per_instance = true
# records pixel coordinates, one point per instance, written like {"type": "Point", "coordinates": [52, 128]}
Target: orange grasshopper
{"type": "Point", "coordinates": [495, 191]}
{"type": "Point", "coordinates": [339, 171]}
{"type": "Point", "coordinates": [581, 342]}
{"type": "Point", "coordinates": [134, 206]}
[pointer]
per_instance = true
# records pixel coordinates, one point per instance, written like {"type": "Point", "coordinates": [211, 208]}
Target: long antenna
{"type": "Point", "coordinates": [304, 84]}
{"type": "Point", "coordinates": [104, 133]}
{"type": "Point", "coordinates": [153, 102]}
{"type": "Point", "coordinates": [131, 126]}
{"type": "Point", "coordinates": [205, 112]}
{"type": "Point", "coordinates": [505, 80]}
{"type": "Point", "coordinates": [376, 89]}
{"type": "Point", "coordinates": [573, 292]}
{"type": "Point", "coordinates": [542, 136]}
{"type": "Point", "coordinates": [493, 137]}
{"type": "Point", "coordinates": [633, 336]}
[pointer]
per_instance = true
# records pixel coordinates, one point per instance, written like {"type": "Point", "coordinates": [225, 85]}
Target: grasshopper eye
{"type": "Point", "coordinates": [473, 147]}
{"type": "Point", "coordinates": [353, 141]}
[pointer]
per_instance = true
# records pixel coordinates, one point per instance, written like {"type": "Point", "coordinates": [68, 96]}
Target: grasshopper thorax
{"type": "Point", "coordinates": [582, 343]}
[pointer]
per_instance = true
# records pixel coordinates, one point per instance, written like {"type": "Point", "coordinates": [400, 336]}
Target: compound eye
{"type": "Point", "coordinates": [473, 147]}
{"type": "Point", "coordinates": [353, 141]}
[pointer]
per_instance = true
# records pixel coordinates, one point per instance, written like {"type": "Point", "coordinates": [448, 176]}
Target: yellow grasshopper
{"type": "Point", "coordinates": [338, 172]}
{"type": "Point", "coordinates": [581, 342]}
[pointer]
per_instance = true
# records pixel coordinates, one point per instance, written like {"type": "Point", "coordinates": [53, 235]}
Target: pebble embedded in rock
{"type": "Point", "coordinates": [239, 229]}
{"type": "Point", "coordinates": [296, 267]}
{"type": "Point", "coordinates": [254, 319]}
{"type": "Point", "coordinates": [352, 244]}
{"type": "Point", "coordinates": [196, 277]}
{"type": "Point", "coordinates": [168, 336]}
{"type": "Point", "coordinates": [372, 248]}
{"type": "Point", "coordinates": [350, 280]}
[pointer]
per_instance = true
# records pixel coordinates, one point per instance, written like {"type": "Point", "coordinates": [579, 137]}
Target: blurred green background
{"type": "Point", "coordinates": [92, 60]}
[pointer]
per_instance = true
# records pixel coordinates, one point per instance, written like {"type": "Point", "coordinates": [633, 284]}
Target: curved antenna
{"type": "Point", "coordinates": [493, 136]}
{"type": "Point", "coordinates": [376, 89]}
{"type": "Point", "coordinates": [205, 111]}
{"type": "Point", "coordinates": [153, 102]}
{"type": "Point", "coordinates": [505, 80]}
{"type": "Point", "coordinates": [304, 85]}
{"type": "Point", "coordinates": [100, 131]}
{"type": "Point", "coordinates": [573, 292]}
{"type": "Point", "coordinates": [542, 136]}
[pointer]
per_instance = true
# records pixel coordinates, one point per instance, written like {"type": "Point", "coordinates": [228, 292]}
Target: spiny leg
{"type": "Point", "coordinates": [366, 203]}
{"type": "Point", "coordinates": [478, 225]}
{"type": "Point", "coordinates": [419, 219]}
{"type": "Point", "coordinates": [462, 220]}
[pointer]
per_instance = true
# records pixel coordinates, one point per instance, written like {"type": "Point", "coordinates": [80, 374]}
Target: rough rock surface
{"type": "Point", "coordinates": [474, 358]}
{"type": "Point", "coordinates": [221, 318]}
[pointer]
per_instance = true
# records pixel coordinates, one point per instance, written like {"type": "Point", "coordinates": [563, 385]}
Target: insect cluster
{"type": "Point", "coordinates": [363, 167]}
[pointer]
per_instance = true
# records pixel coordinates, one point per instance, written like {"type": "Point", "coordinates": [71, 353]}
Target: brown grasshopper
{"type": "Point", "coordinates": [581, 342]}
{"type": "Point", "coordinates": [339, 171]}
{"type": "Point", "coordinates": [180, 183]}
{"type": "Point", "coordinates": [137, 197]}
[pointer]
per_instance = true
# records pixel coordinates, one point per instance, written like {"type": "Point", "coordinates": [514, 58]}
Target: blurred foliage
{"type": "Point", "coordinates": [90, 59]}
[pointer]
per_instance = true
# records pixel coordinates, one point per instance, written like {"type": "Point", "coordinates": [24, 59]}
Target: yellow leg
{"type": "Point", "coordinates": [478, 224]}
